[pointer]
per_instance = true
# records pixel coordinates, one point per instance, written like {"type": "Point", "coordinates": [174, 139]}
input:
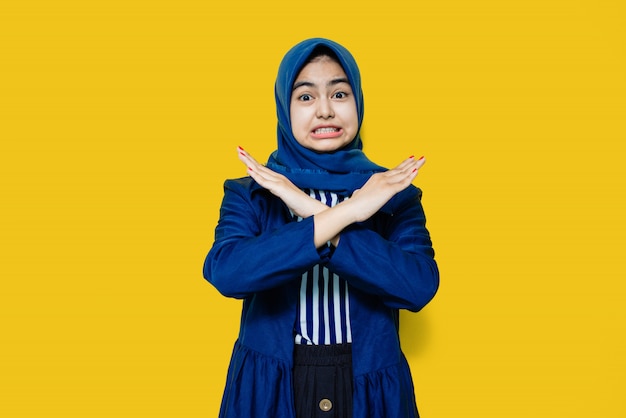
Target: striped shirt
{"type": "Point", "coordinates": [323, 315]}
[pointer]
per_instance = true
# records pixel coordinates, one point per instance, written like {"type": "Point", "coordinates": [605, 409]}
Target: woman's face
{"type": "Point", "coordinates": [323, 110]}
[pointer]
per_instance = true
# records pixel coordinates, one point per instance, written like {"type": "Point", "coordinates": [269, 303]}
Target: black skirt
{"type": "Point", "coordinates": [322, 377]}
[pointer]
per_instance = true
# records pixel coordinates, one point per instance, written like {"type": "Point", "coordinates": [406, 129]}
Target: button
{"type": "Point", "coordinates": [326, 405]}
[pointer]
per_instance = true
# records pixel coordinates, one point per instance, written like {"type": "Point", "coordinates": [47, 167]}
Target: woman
{"type": "Point", "coordinates": [324, 247]}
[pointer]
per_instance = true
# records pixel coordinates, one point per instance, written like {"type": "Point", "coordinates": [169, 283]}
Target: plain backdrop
{"type": "Point", "coordinates": [119, 122]}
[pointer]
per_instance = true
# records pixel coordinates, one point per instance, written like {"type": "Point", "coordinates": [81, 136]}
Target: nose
{"type": "Point", "coordinates": [325, 108]}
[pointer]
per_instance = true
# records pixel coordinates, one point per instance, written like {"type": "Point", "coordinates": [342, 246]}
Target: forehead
{"type": "Point", "coordinates": [321, 68]}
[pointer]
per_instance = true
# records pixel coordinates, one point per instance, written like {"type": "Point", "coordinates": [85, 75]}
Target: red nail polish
{"type": "Point", "coordinates": [421, 158]}
{"type": "Point", "coordinates": [239, 147]}
{"type": "Point", "coordinates": [414, 170]}
{"type": "Point", "coordinates": [412, 156]}
{"type": "Point", "coordinates": [250, 168]}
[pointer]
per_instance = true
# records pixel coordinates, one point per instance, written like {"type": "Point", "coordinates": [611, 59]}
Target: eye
{"type": "Point", "coordinates": [305, 97]}
{"type": "Point", "coordinates": [340, 95]}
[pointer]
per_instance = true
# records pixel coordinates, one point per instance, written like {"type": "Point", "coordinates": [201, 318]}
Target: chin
{"type": "Point", "coordinates": [328, 147]}
{"type": "Point", "coordinates": [322, 150]}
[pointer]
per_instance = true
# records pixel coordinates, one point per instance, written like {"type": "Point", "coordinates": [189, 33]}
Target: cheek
{"type": "Point", "coordinates": [299, 118]}
{"type": "Point", "coordinates": [297, 124]}
{"type": "Point", "coordinates": [350, 116]}
{"type": "Point", "coordinates": [350, 113]}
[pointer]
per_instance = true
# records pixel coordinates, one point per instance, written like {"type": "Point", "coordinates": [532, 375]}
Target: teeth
{"type": "Point", "coordinates": [325, 130]}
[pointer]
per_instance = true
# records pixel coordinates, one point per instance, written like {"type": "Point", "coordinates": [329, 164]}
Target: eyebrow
{"type": "Point", "coordinates": [332, 82]}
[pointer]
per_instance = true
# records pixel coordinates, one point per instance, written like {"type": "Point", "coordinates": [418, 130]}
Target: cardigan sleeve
{"type": "Point", "coordinates": [253, 251]}
{"type": "Point", "coordinates": [397, 264]}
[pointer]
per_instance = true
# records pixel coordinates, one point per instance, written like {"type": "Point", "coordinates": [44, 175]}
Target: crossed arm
{"type": "Point", "coordinates": [329, 222]}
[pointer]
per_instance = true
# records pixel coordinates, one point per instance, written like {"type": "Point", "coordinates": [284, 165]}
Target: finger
{"type": "Point", "coordinates": [415, 170]}
{"type": "Point", "coordinates": [420, 162]}
{"type": "Point", "coordinates": [412, 165]}
{"type": "Point", "coordinates": [246, 158]}
{"type": "Point", "coordinates": [252, 167]}
{"type": "Point", "coordinates": [243, 156]}
{"type": "Point", "coordinates": [404, 168]}
{"type": "Point", "coordinates": [266, 177]}
{"type": "Point", "coordinates": [406, 171]}
{"type": "Point", "coordinates": [405, 164]}
{"type": "Point", "coordinates": [251, 164]}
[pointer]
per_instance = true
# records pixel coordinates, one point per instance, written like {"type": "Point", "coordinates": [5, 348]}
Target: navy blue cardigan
{"type": "Point", "coordinates": [259, 255]}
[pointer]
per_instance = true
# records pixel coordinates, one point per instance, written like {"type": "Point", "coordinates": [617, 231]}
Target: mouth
{"type": "Point", "coordinates": [326, 132]}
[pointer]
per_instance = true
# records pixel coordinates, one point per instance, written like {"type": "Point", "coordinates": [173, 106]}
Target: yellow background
{"type": "Point", "coordinates": [119, 121]}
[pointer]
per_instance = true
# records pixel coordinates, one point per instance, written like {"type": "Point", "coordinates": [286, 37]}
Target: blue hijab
{"type": "Point", "coordinates": [341, 171]}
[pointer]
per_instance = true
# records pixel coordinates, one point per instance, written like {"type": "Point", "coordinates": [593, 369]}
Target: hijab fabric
{"type": "Point", "coordinates": [341, 171]}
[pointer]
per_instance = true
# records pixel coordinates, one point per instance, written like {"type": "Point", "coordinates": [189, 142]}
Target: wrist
{"type": "Point", "coordinates": [347, 211]}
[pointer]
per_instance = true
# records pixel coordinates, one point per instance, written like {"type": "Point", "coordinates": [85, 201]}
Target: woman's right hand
{"type": "Point", "coordinates": [299, 202]}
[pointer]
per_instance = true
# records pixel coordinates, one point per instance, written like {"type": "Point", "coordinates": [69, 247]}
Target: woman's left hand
{"type": "Point", "coordinates": [299, 202]}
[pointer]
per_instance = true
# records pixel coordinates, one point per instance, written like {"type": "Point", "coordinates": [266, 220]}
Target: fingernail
{"type": "Point", "coordinates": [421, 158]}
{"type": "Point", "coordinates": [250, 168]}
{"type": "Point", "coordinates": [414, 170]}
{"type": "Point", "coordinates": [412, 156]}
{"type": "Point", "coordinates": [242, 153]}
{"type": "Point", "coordinates": [239, 147]}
